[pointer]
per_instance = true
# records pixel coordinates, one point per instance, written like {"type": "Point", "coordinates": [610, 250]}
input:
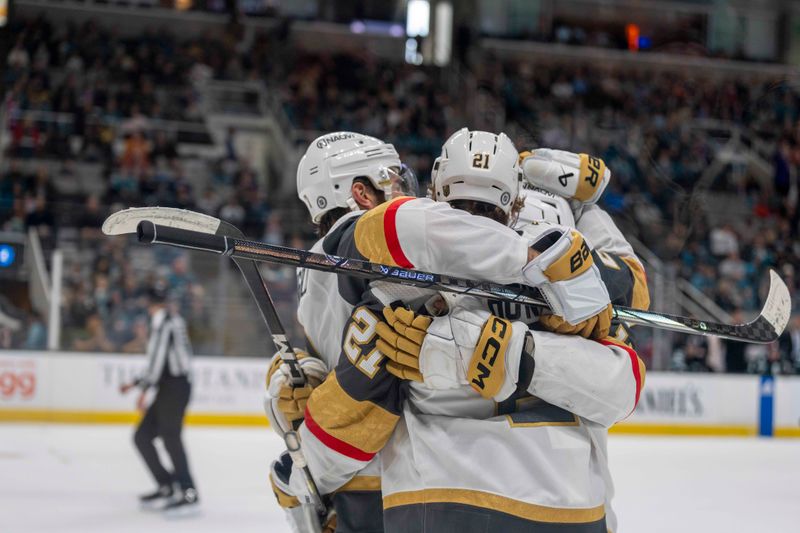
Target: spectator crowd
{"type": "Point", "coordinates": [78, 94]}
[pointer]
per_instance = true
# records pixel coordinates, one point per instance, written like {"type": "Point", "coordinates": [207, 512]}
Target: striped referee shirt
{"type": "Point", "coordinates": [168, 349]}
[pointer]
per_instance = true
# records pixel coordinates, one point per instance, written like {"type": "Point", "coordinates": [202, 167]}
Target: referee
{"type": "Point", "coordinates": [169, 370]}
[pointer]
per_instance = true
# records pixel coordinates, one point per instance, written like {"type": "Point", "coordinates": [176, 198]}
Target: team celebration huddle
{"type": "Point", "coordinates": [429, 411]}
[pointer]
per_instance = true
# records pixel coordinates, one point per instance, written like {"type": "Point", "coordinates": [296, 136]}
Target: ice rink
{"type": "Point", "coordinates": [69, 478]}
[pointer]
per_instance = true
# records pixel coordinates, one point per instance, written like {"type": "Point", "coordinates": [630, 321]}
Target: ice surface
{"type": "Point", "coordinates": [69, 478]}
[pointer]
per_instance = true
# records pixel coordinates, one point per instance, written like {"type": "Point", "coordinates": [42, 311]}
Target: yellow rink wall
{"type": "Point", "coordinates": [58, 387]}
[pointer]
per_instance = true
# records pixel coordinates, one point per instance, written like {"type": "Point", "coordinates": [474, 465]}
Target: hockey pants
{"type": "Point", "coordinates": [164, 418]}
{"type": "Point", "coordinates": [460, 518]}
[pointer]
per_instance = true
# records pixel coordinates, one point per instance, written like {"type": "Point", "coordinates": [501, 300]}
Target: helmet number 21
{"type": "Point", "coordinates": [480, 160]}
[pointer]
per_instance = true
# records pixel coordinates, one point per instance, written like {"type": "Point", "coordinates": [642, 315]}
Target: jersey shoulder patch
{"type": "Point", "coordinates": [376, 235]}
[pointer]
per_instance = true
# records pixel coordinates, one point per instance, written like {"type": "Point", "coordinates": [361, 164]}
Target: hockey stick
{"type": "Point", "coordinates": [258, 288]}
{"type": "Point", "coordinates": [178, 228]}
{"type": "Point", "coordinates": [260, 291]}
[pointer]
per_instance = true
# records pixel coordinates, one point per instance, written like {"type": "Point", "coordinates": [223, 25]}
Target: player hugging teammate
{"type": "Point", "coordinates": [449, 412]}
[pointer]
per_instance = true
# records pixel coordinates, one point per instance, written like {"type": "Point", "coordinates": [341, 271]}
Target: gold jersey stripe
{"type": "Point", "coordinates": [361, 483]}
{"type": "Point", "coordinates": [363, 425]}
{"type": "Point", "coordinates": [495, 502]}
{"type": "Point", "coordinates": [573, 262]}
{"type": "Point", "coordinates": [641, 296]}
{"type": "Point", "coordinates": [370, 236]}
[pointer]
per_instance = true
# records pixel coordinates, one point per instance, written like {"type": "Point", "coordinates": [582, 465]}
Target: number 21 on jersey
{"type": "Point", "coordinates": [358, 342]}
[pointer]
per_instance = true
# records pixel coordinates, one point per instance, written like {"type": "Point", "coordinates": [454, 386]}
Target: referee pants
{"type": "Point", "coordinates": [164, 418]}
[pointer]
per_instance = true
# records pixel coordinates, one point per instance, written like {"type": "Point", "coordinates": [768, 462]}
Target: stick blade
{"type": "Point", "coordinates": [125, 222]}
{"type": "Point", "coordinates": [778, 307]}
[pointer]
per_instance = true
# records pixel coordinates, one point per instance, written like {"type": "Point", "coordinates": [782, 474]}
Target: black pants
{"type": "Point", "coordinates": [460, 518]}
{"type": "Point", "coordinates": [164, 418]}
{"type": "Point", "coordinates": [358, 511]}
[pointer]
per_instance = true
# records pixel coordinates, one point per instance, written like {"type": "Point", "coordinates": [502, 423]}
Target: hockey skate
{"type": "Point", "coordinates": [157, 500]}
{"type": "Point", "coordinates": [186, 503]}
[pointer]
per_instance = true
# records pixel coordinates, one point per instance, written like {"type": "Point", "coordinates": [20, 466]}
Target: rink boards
{"type": "Point", "coordinates": [76, 387]}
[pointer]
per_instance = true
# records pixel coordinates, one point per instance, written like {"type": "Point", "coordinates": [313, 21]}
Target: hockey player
{"type": "Point", "coordinates": [415, 344]}
{"type": "Point", "coordinates": [341, 175]}
{"type": "Point", "coordinates": [355, 411]}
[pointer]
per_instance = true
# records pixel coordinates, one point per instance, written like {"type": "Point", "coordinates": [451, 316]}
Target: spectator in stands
{"type": "Point", "coordinates": [164, 151]}
{"type": "Point", "coordinates": [41, 216]}
{"type": "Point", "coordinates": [115, 87]}
{"type": "Point", "coordinates": [209, 203]}
{"type": "Point", "coordinates": [735, 361]}
{"type": "Point", "coordinates": [136, 154]}
{"type": "Point", "coordinates": [723, 241]}
{"type": "Point", "coordinates": [96, 339]}
{"type": "Point", "coordinates": [695, 351]}
{"type": "Point", "coordinates": [91, 219]}
{"type": "Point", "coordinates": [232, 211]}
{"type": "Point", "coordinates": [26, 139]}
{"type": "Point", "coordinates": [138, 344]}
{"type": "Point", "coordinates": [36, 335]}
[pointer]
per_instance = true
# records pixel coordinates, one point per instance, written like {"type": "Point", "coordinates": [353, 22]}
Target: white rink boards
{"type": "Point", "coordinates": [84, 478]}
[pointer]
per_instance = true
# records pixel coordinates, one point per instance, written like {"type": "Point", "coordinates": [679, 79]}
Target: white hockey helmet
{"type": "Point", "coordinates": [331, 163]}
{"type": "Point", "coordinates": [477, 165]}
{"type": "Point", "coordinates": [540, 205]}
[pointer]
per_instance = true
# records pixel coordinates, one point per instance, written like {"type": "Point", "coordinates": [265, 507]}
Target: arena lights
{"type": "Point", "coordinates": [7, 255]}
{"type": "Point", "coordinates": [377, 27]}
{"type": "Point", "coordinates": [418, 18]}
{"type": "Point", "coordinates": [632, 34]}
{"type": "Point", "coordinates": [443, 35]}
{"type": "Point", "coordinates": [636, 41]}
{"type": "Point", "coordinates": [418, 30]}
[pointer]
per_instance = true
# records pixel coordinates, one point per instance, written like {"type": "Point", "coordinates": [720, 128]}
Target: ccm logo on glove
{"type": "Point", "coordinates": [487, 367]}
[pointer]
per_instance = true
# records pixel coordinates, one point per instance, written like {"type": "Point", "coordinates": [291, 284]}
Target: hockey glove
{"type": "Point", "coordinates": [297, 516]}
{"type": "Point", "coordinates": [596, 327]}
{"type": "Point", "coordinates": [565, 273]}
{"type": "Point", "coordinates": [401, 338]}
{"type": "Point", "coordinates": [467, 346]}
{"type": "Point", "coordinates": [580, 177]}
{"type": "Point", "coordinates": [285, 400]}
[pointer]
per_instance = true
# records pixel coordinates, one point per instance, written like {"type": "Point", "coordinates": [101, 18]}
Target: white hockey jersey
{"type": "Point", "coordinates": [535, 461]}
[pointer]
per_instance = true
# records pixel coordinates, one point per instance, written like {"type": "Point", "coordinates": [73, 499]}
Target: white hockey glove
{"type": "Point", "coordinates": [565, 273]}
{"type": "Point", "coordinates": [467, 346]}
{"type": "Point", "coordinates": [580, 177]}
{"type": "Point", "coordinates": [286, 404]}
{"type": "Point", "coordinates": [301, 519]}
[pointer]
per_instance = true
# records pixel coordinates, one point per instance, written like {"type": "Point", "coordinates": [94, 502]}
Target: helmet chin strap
{"type": "Point", "coordinates": [351, 203]}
